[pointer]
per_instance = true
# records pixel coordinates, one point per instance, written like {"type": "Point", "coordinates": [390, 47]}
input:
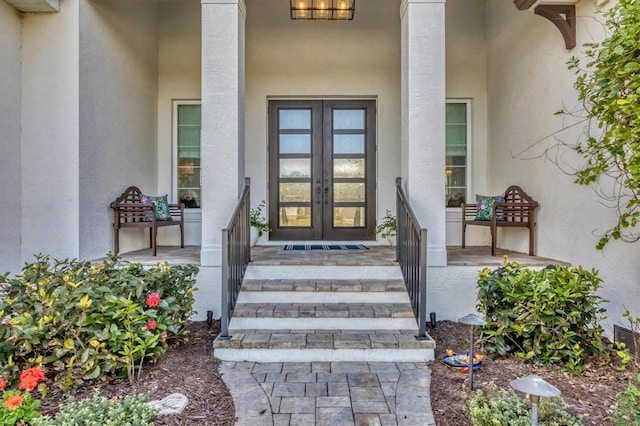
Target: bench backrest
{"type": "Point", "coordinates": [518, 206]}
{"type": "Point", "coordinates": [130, 195]}
{"type": "Point", "coordinates": [127, 207]}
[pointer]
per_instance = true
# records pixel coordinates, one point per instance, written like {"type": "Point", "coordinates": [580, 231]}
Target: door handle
{"type": "Point", "coordinates": [318, 191]}
{"type": "Point", "coordinates": [326, 191]}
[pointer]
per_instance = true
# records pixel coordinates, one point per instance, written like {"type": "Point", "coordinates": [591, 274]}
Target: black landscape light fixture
{"type": "Point", "coordinates": [535, 386]}
{"type": "Point", "coordinates": [327, 10]}
{"type": "Point", "coordinates": [472, 320]}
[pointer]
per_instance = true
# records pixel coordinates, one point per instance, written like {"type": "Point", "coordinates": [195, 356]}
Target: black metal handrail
{"type": "Point", "coordinates": [236, 255]}
{"type": "Point", "coordinates": [411, 254]}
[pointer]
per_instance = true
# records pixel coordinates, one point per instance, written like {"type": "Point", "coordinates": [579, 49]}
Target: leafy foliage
{"type": "Point", "coordinates": [504, 407]}
{"type": "Point", "coordinates": [388, 227]}
{"type": "Point", "coordinates": [257, 220]}
{"type": "Point", "coordinates": [628, 410]}
{"type": "Point", "coordinates": [98, 410]}
{"type": "Point", "coordinates": [83, 321]}
{"type": "Point", "coordinates": [609, 87]}
{"type": "Point", "coordinates": [546, 316]}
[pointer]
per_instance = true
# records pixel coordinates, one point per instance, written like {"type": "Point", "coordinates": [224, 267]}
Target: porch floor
{"type": "Point", "coordinates": [375, 256]}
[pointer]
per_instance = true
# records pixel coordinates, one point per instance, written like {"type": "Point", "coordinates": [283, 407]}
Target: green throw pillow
{"type": "Point", "coordinates": [484, 204]}
{"type": "Point", "coordinates": [161, 207]}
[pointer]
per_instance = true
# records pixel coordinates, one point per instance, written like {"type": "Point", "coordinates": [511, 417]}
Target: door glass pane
{"type": "Point", "coordinates": [295, 167]}
{"type": "Point", "coordinates": [295, 119]}
{"type": "Point", "coordinates": [348, 192]}
{"type": "Point", "coordinates": [295, 192]}
{"type": "Point", "coordinates": [348, 144]}
{"type": "Point", "coordinates": [348, 217]}
{"type": "Point", "coordinates": [348, 119]}
{"type": "Point", "coordinates": [348, 168]}
{"type": "Point", "coordinates": [294, 216]}
{"type": "Point", "coordinates": [295, 144]}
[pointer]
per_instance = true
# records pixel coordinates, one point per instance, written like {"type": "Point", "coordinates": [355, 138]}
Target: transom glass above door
{"type": "Point", "coordinates": [322, 170]}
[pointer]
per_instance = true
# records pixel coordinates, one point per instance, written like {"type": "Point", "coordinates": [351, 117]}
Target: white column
{"type": "Point", "coordinates": [50, 158]}
{"type": "Point", "coordinates": [223, 26]}
{"type": "Point", "coordinates": [423, 118]}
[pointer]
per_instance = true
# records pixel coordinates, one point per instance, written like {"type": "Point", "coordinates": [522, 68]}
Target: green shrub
{"type": "Point", "coordinates": [99, 411]}
{"type": "Point", "coordinates": [546, 316]}
{"type": "Point", "coordinates": [628, 410]}
{"type": "Point", "coordinates": [82, 321]}
{"type": "Point", "coordinates": [628, 400]}
{"type": "Point", "coordinates": [502, 407]}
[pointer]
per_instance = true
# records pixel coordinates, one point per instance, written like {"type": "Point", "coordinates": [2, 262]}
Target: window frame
{"type": "Point", "coordinates": [175, 103]}
{"type": "Point", "coordinates": [469, 194]}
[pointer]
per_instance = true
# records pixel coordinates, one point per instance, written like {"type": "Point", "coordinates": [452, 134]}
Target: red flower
{"type": "Point", "coordinates": [153, 300]}
{"type": "Point", "coordinates": [164, 336]}
{"type": "Point", "coordinates": [30, 378]}
{"type": "Point", "coordinates": [151, 325]}
{"type": "Point", "coordinates": [3, 384]}
{"type": "Point", "coordinates": [13, 402]}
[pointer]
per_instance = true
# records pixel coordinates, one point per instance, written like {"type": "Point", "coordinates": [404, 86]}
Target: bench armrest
{"type": "Point", "coordinates": [177, 210]}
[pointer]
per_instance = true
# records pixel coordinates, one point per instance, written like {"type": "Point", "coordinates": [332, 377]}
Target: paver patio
{"type": "Point", "coordinates": [329, 393]}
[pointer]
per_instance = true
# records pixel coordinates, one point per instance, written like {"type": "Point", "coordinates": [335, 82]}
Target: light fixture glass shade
{"type": "Point", "coordinates": [332, 10]}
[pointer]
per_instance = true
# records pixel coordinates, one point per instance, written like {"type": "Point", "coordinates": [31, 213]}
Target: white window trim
{"type": "Point", "coordinates": [174, 147]}
{"type": "Point", "coordinates": [470, 195]}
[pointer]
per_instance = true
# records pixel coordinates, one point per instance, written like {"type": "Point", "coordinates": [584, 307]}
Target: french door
{"type": "Point", "coordinates": [322, 157]}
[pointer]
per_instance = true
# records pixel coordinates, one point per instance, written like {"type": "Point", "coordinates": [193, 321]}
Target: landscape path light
{"type": "Point", "coordinates": [472, 320]}
{"type": "Point", "coordinates": [535, 386]}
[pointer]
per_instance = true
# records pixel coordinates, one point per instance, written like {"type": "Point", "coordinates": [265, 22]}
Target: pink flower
{"type": "Point", "coordinates": [153, 300]}
{"type": "Point", "coordinates": [151, 325]}
{"type": "Point", "coordinates": [164, 336]}
{"type": "Point", "coordinates": [2, 384]}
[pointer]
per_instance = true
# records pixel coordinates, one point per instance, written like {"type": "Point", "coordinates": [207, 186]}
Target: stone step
{"type": "Point", "coordinates": [323, 291]}
{"type": "Point", "coordinates": [327, 285]}
{"type": "Point", "coordinates": [323, 310]}
{"type": "Point", "coordinates": [321, 345]}
{"type": "Point", "coordinates": [323, 316]}
{"type": "Point", "coordinates": [322, 272]}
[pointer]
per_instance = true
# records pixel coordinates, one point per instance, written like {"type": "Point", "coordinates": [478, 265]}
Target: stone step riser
{"type": "Point", "coordinates": [321, 297]}
{"type": "Point", "coordinates": [325, 355]}
{"type": "Point", "coordinates": [326, 272]}
{"type": "Point", "coordinates": [325, 323]}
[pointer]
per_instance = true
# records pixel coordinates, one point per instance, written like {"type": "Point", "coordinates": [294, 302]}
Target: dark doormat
{"type": "Point", "coordinates": [326, 247]}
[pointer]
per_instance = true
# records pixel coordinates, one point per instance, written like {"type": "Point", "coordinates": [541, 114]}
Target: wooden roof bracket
{"type": "Point", "coordinates": [563, 16]}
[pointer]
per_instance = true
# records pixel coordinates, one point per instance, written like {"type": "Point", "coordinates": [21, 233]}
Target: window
{"type": "Point", "coordinates": [187, 169]}
{"type": "Point", "coordinates": [457, 153]}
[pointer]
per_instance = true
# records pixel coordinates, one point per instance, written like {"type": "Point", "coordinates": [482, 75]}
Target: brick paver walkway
{"type": "Point", "coordinates": [329, 393]}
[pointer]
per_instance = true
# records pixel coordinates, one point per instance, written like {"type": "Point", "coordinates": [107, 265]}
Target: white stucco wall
{"type": "Point", "coordinates": [50, 130]}
{"type": "Point", "coordinates": [324, 59]}
{"type": "Point", "coordinates": [118, 115]}
{"type": "Point", "coordinates": [10, 168]}
{"type": "Point", "coordinates": [179, 65]}
{"type": "Point", "coordinates": [467, 80]}
{"type": "Point", "coordinates": [528, 82]}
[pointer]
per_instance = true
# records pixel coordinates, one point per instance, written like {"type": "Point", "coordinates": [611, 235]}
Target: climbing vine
{"type": "Point", "coordinates": [608, 85]}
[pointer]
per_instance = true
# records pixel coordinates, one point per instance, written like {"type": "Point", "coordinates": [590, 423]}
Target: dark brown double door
{"type": "Point", "coordinates": [322, 157]}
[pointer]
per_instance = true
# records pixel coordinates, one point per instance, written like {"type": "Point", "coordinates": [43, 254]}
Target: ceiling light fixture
{"type": "Point", "coordinates": [330, 10]}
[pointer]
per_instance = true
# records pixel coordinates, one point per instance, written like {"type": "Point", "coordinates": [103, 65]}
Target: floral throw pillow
{"type": "Point", "coordinates": [161, 207]}
{"type": "Point", "coordinates": [485, 203]}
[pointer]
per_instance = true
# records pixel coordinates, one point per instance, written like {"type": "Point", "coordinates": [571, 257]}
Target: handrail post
{"type": "Point", "coordinates": [422, 315]}
{"type": "Point", "coordinates": [247, 183]}
{"type": "Point", "coordinates": [398, 212]}
{"type": "Point", "coordinates": [224, 320]}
